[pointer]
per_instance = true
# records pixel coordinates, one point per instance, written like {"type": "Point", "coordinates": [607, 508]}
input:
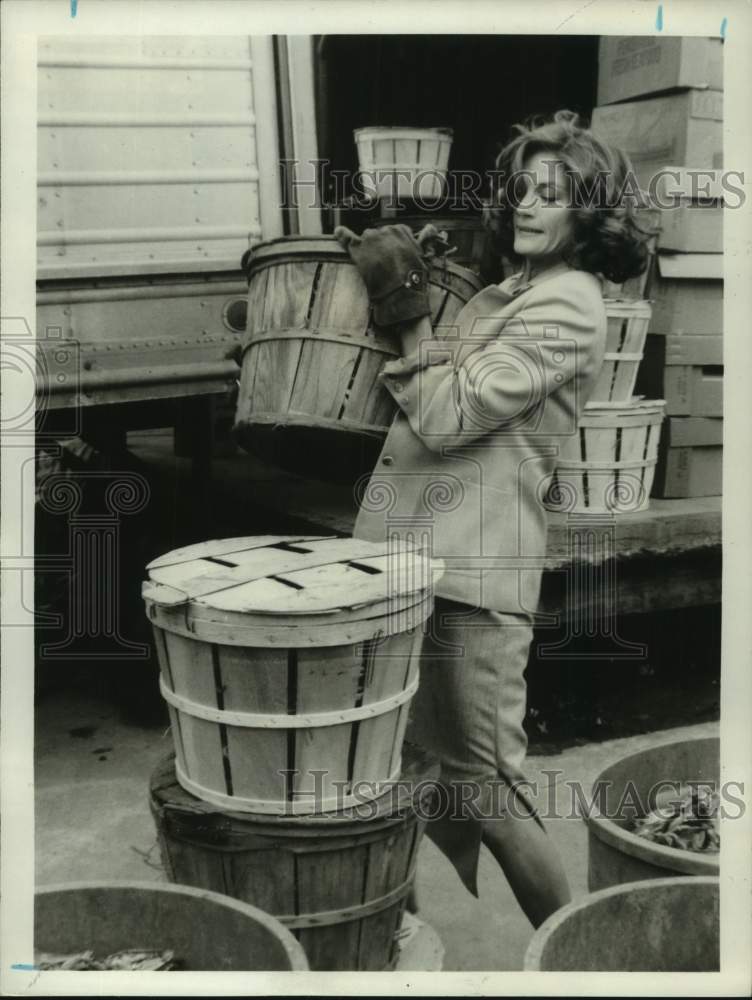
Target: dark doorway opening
{"type": "Point", "coordinates": [478, 85]}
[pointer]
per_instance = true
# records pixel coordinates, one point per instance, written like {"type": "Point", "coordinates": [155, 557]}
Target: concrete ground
{"type": "Point", "coordinates": [93, 821]}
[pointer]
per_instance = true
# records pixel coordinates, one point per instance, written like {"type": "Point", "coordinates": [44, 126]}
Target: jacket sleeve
{"type": "Point", "coordinates": [501, 370]}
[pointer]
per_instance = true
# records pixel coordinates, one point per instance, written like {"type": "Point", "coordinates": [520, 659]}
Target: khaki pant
{"type": "Point", "coordinates": [469, 712]}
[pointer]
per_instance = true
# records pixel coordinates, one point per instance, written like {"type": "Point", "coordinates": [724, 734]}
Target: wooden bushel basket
{"type": "Point", "coordinates": [312, 356]}
{"type": "Point", "coordinates": [625, 342]}
{"type": "Point", "coordinates": [338, 882]}
{"type": "Point", "coordinates": [403, 162]}
{"type": "Point", "coordinates": [608, 466]}
{"type": "Point", "coordinates": [288, 665]}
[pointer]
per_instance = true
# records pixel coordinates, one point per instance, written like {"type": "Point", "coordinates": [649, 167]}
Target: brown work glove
{"type": "Point", "coordinates": [393, 265]}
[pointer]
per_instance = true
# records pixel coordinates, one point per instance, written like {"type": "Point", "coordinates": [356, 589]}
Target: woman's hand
{"type": "Point", "coordinates": [392, 263]}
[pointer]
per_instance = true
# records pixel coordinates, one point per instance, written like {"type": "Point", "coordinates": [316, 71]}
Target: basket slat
{"type": "Point", "coordinates": [190, 667]}
{"type": "Point", "coordinates": [262, 754]}
{"type": "Point", "coordinates": [364, 401]}
{"type": "Point", "coordinates": [224, 546]}
{"type": "Point", "coordinates": [339, 302]}
{"type": "Point", "coordinates": [258, 294]}
{"type": "Point", "coordinates": [177, 737]}
{"type": "Point", "coordinates": [202, 747]}
{"type": "Point", "coordinates": [626, 330]}
{"type": "Point", "coordinates": [253, 677]}
{"type": "Point", "coordinates": [210, 574]}
{"type": "Point", "coordinates": [324, 378]}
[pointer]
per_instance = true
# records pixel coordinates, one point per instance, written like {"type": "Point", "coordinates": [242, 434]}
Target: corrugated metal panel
{"type": "Point", "coordinates": [147, 153]}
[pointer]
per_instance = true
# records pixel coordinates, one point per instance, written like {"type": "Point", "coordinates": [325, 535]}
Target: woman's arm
{"type": "Point", "coordinates": [412, 334]}
{"type": "Point", "coordinates": [465, 390]}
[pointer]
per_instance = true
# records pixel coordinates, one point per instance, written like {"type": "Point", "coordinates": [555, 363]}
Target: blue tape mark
{"type": "Point", "coordinates": [724, 24]}
{"type": "Point", "coordinates": [73, 7]}
{"type": "Point", "coordinates": [25, 967]}
{"type": "Point", "coordinates": [659, 18]}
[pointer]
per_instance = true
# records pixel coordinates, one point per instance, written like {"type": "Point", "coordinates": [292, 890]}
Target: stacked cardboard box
{"type": "Point", "coordinates": [634, 65]}
{"type": "Point", "coordinates": [661, 101]}
{"type": "Point", "coordinates": [687, 371]}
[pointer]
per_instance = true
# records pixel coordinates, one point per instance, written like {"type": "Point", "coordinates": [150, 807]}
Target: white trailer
{"type": "Point", "coordinates": [158, 166]}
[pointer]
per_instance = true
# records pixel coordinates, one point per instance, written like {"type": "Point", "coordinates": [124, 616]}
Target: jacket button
{"type": "Point", "coordinates": [387, 460]}
{"type": "Point", "coordinates": [404, 400]}
{"type": "Point", "coordinates": [397, 386]}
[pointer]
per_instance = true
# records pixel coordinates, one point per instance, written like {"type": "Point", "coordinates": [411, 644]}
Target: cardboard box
{"type": "Point", "coordinates": [691, 210]}
{"type": "Point", "coordinates": [687, 294]}
{"type": "Point", "coordinates": [690, 458]}
{"type": "Point", "coordinates": [683, 129]}
{"type": "Point", "coordinates": [692, 227]}
{"type": "Point", "coordinates": [630, 66]}
{"type": "Point", "coordinates": [686, 371]}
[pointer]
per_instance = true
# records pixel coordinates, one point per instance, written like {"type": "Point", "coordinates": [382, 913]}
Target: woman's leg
{"type": "Point", "coordinates": [531, 864]}
{"type": "Point", "coordinates": [471, 715]}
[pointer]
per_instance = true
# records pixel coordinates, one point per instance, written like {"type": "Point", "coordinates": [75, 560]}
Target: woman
{"type": "Point", "coordinates": [483, 409]}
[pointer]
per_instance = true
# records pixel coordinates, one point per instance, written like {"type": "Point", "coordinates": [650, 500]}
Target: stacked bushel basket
{"type": "Point", "coordinates": [661, 100]}
{"type": "Point", "coordinates": [288, 665]}
{"type": "Point", "coordinates": [405, 172]}
{"type": "Point", "coordinates": [608, 466]}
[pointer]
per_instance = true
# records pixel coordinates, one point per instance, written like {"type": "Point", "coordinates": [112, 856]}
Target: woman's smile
{"type": "Point", "coordinates": [543, 215]}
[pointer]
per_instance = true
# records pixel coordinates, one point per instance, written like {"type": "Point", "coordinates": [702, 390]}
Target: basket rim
{"type": "Point", "coordinates": [547, 929]}
{"type": "Point", "coordinates": [628, 307]}
{"type": "Point", "coordinates": [284, 937]}
{"type": "Point", "coordinates": [418, 766]}
{"type": "Point", "coordinates": [332, 248]}
{"type": "Point", "coordinates": [661, 855]}
{"type": "Point", "coordinates": [634, 405]}
{"type": "Point", "coordinates": [443, 131]}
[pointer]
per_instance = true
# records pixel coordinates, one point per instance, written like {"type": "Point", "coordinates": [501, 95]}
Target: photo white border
{"type": "Point", "coordinates": [22, 21]}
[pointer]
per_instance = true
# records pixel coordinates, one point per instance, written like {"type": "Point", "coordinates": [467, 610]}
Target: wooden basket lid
{"type": "Point", "coordinates": [289, 575]}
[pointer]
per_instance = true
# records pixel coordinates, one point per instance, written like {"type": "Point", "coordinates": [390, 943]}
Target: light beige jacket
{"type": "Point", "coordinates": [484, 407]}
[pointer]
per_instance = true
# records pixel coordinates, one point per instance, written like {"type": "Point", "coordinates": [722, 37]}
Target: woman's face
{"type": "Point", "coordinates": [543, 218]}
